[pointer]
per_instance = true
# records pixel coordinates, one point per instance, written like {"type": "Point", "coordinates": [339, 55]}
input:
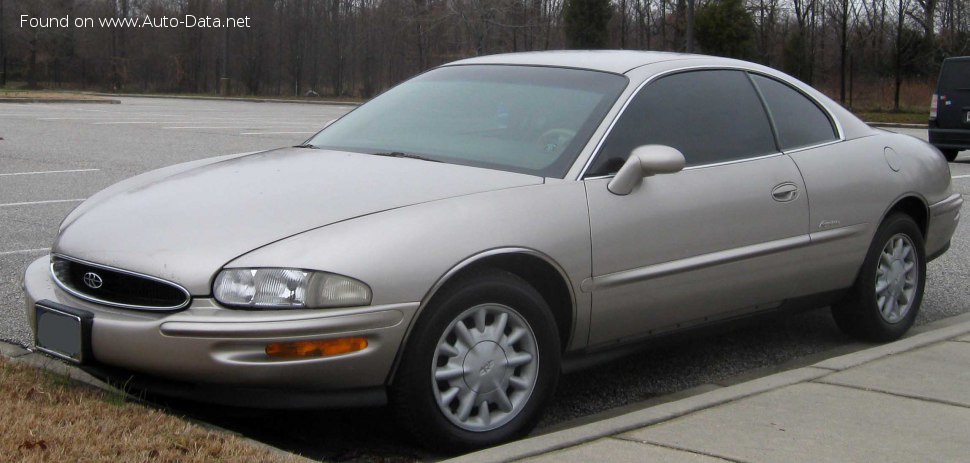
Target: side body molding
{"type": "Point", "coordinates": [718, 258]}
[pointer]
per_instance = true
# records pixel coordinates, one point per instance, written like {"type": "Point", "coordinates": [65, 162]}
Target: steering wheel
{"type": "Point", "coordinates": [554, 140]}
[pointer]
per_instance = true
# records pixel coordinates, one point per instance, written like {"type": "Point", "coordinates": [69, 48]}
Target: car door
{"type": "Point", "coordinates": [844, 182]}
{"type": "Point", "coordinates": [705, 243]}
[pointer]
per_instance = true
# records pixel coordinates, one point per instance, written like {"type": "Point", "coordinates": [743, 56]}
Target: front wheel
{"type": "Point", "coordinates": [950, 154]}
{"type": "Point", "coordinates": [479, 366]}
{"type": "Point", "coordinates": [889, 289]}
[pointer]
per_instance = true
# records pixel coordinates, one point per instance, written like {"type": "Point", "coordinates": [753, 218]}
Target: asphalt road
{"type": "Point", "coordinates": [53, 155]}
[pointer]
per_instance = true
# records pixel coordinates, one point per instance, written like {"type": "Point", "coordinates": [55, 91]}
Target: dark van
{"type": "Point", "coordinates": [950, 108]}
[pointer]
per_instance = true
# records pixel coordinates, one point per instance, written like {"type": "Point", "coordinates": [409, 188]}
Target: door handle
{"type": "Point", "coordinates": [784, 192]}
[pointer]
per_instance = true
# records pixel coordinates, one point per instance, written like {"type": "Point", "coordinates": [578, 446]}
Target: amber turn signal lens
{"type": "Point", "coordinates": [324, 348]}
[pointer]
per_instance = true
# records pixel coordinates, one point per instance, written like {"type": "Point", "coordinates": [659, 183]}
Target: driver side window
{"type": "Point", "coordinates": [710, 116]}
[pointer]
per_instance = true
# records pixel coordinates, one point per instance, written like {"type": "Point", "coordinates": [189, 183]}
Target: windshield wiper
{"type": "Point", "coordinates": [399, 154]}
{"type": "Point", "coordinates": [307, 145]}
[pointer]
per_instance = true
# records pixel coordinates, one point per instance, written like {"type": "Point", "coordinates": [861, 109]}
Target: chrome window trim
{"type": "Point", "coordinates": [704, 166]}
{"type": "Point", "coordinates": [599, 144]}
{"type": "Point", "coordinates": [817, 145]}
{"type": "Point", "coordinates": [79, 295]}
{"type": "Point", "coordinates": [734, 161]}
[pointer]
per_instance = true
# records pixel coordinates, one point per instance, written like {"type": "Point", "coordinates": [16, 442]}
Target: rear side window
{"type": "Point", "coordinates": [955, 75]}
{"type": "Point", "coordinates": [798, 120]}
{"type": "Point", "coordinates": [710, 116]}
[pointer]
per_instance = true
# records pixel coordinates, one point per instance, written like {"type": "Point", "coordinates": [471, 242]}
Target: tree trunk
{"type": "Point", "coordinates": [842, 49]}
{"type": "Point", "coordinates": [898, 65]}
{"type": "Point", "coordinates": [690, 26]}
{"type": "Point", "coordinates": [623, 19]}
{"type": "Point", "coordinates": [3, 50]}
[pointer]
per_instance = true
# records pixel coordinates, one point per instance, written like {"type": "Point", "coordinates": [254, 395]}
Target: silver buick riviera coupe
{"type": "Point", "coordinates": [451, 246]}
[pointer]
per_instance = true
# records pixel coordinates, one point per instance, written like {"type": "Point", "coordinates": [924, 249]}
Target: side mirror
{"type": "Point", "coordinates": [645, 161]}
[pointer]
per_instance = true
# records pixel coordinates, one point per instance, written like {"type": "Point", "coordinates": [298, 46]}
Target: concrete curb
{"type": "Point", "coordinates": [12, 351]}
{"type": "Point", "coordinates": [219, 98]}
{"type": "Point", "coordinates": [586, 433]}
{"type": "Point", "coordinates": [896, 125]}
{"type": "Point", "coordinates": [56, 100]}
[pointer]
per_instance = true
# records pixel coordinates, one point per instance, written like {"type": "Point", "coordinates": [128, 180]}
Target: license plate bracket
{"type": "Point", "coordinates": [62, 331]}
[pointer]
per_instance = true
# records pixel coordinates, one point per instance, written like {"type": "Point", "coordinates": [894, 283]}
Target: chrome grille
{"type": "Point", "coordinates": [115, 287]}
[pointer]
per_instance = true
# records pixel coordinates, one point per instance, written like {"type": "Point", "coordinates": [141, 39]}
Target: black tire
{"type": "Point", "coordinates": [412, 395]}
{"type": "Point", "coordinates": [950, 154]}
{"type": "Point", "coordinates": [858, 315]}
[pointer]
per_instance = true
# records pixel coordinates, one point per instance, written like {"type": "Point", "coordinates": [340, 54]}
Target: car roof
{"type": "Point", "coordinates": [625, 61]}
{"type": "Point", "coordinates": [615, 61]}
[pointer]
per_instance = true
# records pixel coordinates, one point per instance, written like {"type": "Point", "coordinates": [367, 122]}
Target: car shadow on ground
{"type": "Point", "coordinates": [373, 434]}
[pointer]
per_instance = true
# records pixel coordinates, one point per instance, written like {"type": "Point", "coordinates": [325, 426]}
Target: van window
{"type": "Point", "coordinates": [955, 75]}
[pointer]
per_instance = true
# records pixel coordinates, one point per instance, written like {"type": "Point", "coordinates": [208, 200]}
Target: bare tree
{"type": "Point", "coordinates": [901, 12]}
{"type": "Point", "coordinates": [361, 47]}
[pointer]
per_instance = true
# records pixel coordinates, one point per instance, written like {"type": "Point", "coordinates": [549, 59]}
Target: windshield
{"type": "Point", "coordinates": [531, 120]}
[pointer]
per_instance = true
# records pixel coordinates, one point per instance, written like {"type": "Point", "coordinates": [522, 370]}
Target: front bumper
{"type": "Point", "coordinates": [207, 348]}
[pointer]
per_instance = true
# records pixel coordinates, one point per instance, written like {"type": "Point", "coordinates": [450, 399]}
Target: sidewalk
{"type": "Point", "coordinates": [905, 401]}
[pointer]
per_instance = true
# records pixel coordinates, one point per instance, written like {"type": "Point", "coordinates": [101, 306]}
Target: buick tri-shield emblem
{"type": "Point", "coordinates": [93, 280]}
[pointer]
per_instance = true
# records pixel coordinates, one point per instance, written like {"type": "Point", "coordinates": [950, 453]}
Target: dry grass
{"type": "Point", "coordinates": [872, 100]}
{"type": "Point", "coordinates": [889, 116]}
{"type": "Point", "coordinates": [877, 94]}
{"type": "Point", "coordinates": [46, 95]}
{"type": "Point", "coordinates": [45, 418]}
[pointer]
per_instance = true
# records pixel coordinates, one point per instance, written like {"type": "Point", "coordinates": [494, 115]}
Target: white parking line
{"type": "Point", "coordinates": [52, 201]}
{"type": "Point", "coordinates": [48, 172]}
{"type": "Point", "coordinates": [126, 122]}
{"type": "Point", "coordinates": [268, 133]}
{"type": "Point", "coordinates": [212, 127]}
{"type": "Point", "coordinates": [23, 251]}
{"type": "Point", "coordinates": [960, 176]}
{"type": "Point", "coordinates": [253, 125]}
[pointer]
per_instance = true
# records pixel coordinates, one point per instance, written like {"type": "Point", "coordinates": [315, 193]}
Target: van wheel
{"type": "Point", "coordinates": [950, 154]}
{"type": "Point", "coordinates": [883, 303]}
{"type": "Point", "coordinates": [480, 365]}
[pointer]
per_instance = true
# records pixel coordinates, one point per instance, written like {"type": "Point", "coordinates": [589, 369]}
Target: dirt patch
{"type": "Point", "coordinates": [48, 418]}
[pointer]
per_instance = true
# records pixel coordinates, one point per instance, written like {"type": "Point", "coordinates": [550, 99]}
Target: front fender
{"type": "Point", "coordinates": [403, 253]}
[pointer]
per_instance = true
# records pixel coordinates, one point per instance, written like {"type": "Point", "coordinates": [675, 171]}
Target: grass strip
{"type": "Point", "coordinates": [48, 418]}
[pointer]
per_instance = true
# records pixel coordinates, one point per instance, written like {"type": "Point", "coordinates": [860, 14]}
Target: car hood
{"type": "Point", "coordinates": [186, 225]}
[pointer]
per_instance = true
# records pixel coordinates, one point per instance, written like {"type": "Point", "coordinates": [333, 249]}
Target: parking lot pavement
{"type": "Point", "coordinates": [52, 156]}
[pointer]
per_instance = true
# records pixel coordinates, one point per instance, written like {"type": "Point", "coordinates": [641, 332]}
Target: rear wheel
{"type": "Point", "coordinates": [889, 289]}
{"type": "Point", "coordinates": [480, 365]}
{"type": "Point", "coordinates": [950, 154]}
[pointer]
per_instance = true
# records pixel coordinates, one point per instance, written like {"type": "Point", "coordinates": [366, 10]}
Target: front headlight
{"type": "Point", "coordinates": [284, 288]}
